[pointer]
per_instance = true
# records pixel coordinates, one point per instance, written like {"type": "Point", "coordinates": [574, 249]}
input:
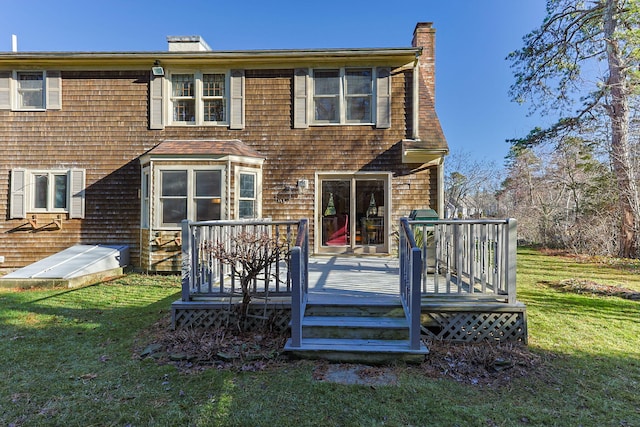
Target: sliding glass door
{"type": "Point", "coordinates": [353, 213]}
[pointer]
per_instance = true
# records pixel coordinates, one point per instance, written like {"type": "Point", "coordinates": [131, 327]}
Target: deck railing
{"type": "Point", "coordinates": [468, 258]}
{"type": "Point", "coordinates": [410, 269]}
{"type": "Point", "coordinates": [205, 275]}
{"type": "Point", "coordinates": [300, 282]}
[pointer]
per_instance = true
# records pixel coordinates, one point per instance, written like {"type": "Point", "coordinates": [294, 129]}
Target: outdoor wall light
{"type": "Point", "coordinates": [303, 184]}
{"type": "Point", "coordinates": [157, 70]}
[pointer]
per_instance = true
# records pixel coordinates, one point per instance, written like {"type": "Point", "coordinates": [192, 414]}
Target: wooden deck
{"type": "Point", "coordinates": [338, 282]}
{"type": "Point", "coordinates": [351, 279]}
{"type": "Point", "coordinates": [347, 278]}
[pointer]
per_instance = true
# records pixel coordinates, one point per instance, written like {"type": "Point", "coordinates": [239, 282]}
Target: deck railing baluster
{"type": "Point", "coordinates": [475, 258]}
{"type": "Point", "coordinates": [204, 274]}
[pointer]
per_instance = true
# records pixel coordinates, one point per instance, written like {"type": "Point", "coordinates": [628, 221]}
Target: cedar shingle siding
{"type": "Point", "coordinates": [103, 128]}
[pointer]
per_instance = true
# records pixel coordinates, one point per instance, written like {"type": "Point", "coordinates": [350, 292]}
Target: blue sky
{"type": "Point", "coordinates": [472, 40]}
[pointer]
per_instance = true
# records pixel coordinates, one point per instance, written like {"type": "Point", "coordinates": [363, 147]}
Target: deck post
{"type": "Point", "coordinates": [305, 260]}
{"type": "Point", "coordinates": [402, 248]}
{"type": "Point", "coordinates": [187, 271]}
{"type": "Point", "coordinates": [416, 299]}
{"type": "Point", "coordinates": [296, 296]}
{"type": "Point", "coordinates": [510, 268]}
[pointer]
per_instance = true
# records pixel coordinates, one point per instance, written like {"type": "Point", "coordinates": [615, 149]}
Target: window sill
{"type": "Point", "coordinates": [190, 124]}
{"type": "Point", "coordinates": [341, 124]}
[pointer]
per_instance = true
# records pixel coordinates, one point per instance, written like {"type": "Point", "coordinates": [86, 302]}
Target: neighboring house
{"type": "Point", "coordinates": [103, 148]}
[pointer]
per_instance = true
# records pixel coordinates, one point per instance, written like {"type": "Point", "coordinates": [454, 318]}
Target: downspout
{"type": "Point", "coordinates": [441, 188]}
{"type": "Point", "coordinates": [416, 97]}
{"type": "Point", "coordinates": [152, 191]}
{"type": "Point", "coordinates": [228, 195]}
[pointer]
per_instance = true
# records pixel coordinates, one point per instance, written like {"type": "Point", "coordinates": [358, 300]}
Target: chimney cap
{"type": "Point", "coordinates": [423, 26]}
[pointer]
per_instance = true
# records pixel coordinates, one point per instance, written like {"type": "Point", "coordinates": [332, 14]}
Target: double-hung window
{"type": "Point", "coordinates": [199, 98]}
{"type": "Point", "coordinates": [30, 89]}
{"type": "Point", "coordinates": [343, 95]}
{"type": "Point", "coordinates": [47, 191]}
{"type": "Point", "coordinates": [194, 194]}
{"type": "Point", "coordinates": [213, 98]}
{"type": "Point", "coordinates": [50, 191]}
{"type": "Point", "coordinates": [207, 197]}
{"type": "Point", "coordinates": [247, 199]}
{"type": "Point", "coordinates": [183, 98]}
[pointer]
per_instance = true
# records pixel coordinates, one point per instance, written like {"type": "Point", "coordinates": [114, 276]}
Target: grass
{"type": "Point", "coordinates": [67, 358]}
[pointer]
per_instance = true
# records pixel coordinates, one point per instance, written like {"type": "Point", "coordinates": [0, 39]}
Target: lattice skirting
{"type": "Point", "coordinates": [507, 324]}
{"type": "Point", "coordinates": [272, 317]}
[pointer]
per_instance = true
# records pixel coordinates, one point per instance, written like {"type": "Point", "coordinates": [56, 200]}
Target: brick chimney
{"type": "Point", "coordinates": [424, 36]}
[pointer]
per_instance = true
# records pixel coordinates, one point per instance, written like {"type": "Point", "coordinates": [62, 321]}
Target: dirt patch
{"type": "Point", "coordinates": [194, 350]}
{"type": "Point", "coordinates": [584, 286]}
{"type": "Point", "coordinates": [485, 363]}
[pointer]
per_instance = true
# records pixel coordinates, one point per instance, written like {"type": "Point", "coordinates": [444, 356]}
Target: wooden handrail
{"type": "Point", "coordinates": [300, 282]}
{"type": "Point", "coordinates": [204, 275]}
{"type": "Point", "coordinates": [468, 258]}
{"type": "Point", "coordinates": [410, 274]}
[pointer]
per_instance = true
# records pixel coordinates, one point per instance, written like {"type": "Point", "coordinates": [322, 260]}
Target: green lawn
{"type": "Point", "coordinates": [67, 359]}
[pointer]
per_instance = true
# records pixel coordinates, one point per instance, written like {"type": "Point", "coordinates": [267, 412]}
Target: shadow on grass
{"type": "Point", "coordinates": [53, 343]}
{"type": "Point", "coordinates": [117, 306]}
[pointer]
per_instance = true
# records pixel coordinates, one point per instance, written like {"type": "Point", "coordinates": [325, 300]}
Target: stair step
{"type": "Point", "coordinates": [352, 310]}
{"type": "Point", "coordinates": [356, 345]}
{"type": "Point", "coordinates": [356, 322]}
{"type": "Point", "coordinates": [358, 350]}
{"type": "Point", "coordinates": [387, 328]}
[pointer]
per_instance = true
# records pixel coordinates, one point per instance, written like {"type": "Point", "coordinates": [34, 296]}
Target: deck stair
{"type": "Point", "coordinates": [363, 332]}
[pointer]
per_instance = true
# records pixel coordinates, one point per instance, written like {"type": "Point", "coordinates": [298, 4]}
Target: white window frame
{"type": "Point", "coordinates": [191, 199]}
{"type": "Point", "coordinates": [50, 208]}
{"type": "Point", "coordinates": [342, 98]}
{"type": "Point", "coordinates": [16, 90]}
{"type": "Point", "coordinates": [199, 98]}
{"type": "Point", "coordinates": [145, 198]}
{"type": "Point", "coordinates": [257, 199]}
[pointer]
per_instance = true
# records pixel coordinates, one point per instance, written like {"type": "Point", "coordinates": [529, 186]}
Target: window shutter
{"type": "Point", "coordinates": [236, 101]}
{"type": "Point", "coordinates": [18, 208]}
{"type": "Point", "coordinates": [383, 98]}
{"type": "Point", "coordinates": [54, 90]}
{"type": "Point", "coordinates": [300, 103]}
{"type": "Point", "coordinates": [5, 90]}
{"type": "Point", "coordinates": [156, 114]}
{"type": "Point", "coordinates": [76, 184]}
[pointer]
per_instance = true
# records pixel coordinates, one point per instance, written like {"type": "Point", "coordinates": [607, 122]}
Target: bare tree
{"type": "Point", "coordinates": [562, 197]}
{"type": "Point", "coordinates": [470, 185]}
{"type": "Point", "coordinates": [250, 254]}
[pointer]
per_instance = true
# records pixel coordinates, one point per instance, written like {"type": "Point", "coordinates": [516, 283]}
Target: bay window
{"type": "Point", "coordinates": [194, 194]}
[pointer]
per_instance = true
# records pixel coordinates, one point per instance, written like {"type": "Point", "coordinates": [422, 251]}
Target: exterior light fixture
{"type": "Point", "coordinates": [157, 70]}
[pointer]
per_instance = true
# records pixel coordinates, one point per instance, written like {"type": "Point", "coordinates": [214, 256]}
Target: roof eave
{"type": "Point", "coordinates": [297, 55]}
